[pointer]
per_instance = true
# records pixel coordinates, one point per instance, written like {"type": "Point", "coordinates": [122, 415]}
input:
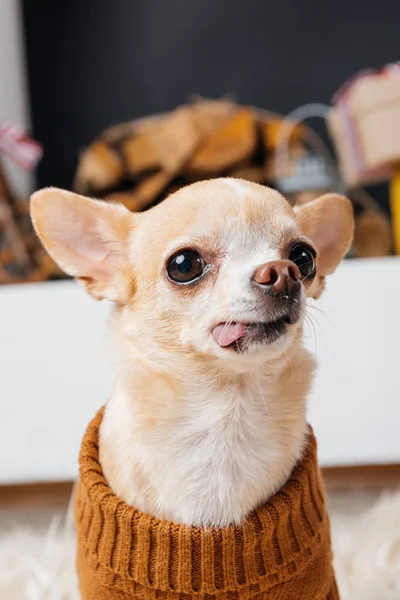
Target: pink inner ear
{"type": "Point", "coordinates": [324, 239]}
{"type": "Point", "coordinates": [328, 223]}
{"type": "Point", "coordinates": [90, 246]}
{"type": "Point", "coordinates": [327, 233]}
{"type": "Point", "coordinates": [94, 257]}
{"type": "Point", "coordinates": [78, 239]}
{"type": "Point", "coordinates": [87, 238]}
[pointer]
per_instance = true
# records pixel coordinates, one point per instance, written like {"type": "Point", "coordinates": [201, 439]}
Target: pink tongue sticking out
{"type": "Point", "coordinates": [225, 334]}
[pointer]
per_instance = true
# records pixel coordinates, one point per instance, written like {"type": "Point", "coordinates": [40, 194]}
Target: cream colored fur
{"type": "Point", "coordinates": [195, 432]}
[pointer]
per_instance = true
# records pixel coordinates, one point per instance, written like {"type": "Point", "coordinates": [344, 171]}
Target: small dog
{"type": "Point", "coordinates": [207, 418]}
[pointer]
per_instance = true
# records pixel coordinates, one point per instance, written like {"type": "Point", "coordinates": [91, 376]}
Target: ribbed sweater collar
{"type": "Point", "coordinates": [273, 544]}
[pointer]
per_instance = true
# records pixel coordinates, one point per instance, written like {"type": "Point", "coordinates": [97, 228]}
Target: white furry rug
{"type": "Point", "coordinates": [37, 562]}
{"type": "Point", "coordinates": [367, 551]}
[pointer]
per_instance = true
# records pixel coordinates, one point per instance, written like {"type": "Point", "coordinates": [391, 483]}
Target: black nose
{"type": "Point", "coordinates": [281, 277]}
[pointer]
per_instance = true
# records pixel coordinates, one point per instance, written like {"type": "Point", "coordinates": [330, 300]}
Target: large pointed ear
{"type": "Point", "coordinates": [88, 239]}
{"type": "Point", "coordinates": [328, 223]}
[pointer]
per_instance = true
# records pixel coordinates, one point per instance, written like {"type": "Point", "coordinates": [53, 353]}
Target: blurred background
{"type": "Point", "coordinates": [302, 96]}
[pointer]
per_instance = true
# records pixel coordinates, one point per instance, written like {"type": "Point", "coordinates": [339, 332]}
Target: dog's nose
{"type": "Point", "coordinates": [280, 276]}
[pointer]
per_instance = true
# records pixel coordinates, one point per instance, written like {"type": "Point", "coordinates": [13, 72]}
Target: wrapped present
{"type": "Point", "coordinates": [22, 257]}
{"type": "Point", "coordinates": [365, 125]}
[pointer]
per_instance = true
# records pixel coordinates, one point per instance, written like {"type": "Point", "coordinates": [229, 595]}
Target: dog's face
{"type": "Point", "coordinates": [220, 269]}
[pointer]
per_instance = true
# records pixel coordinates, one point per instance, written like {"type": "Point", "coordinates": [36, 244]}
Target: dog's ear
{"type": "Point", "coordinates": [328, 223]}
{"type": "Point", "coordinates": [88, 239]}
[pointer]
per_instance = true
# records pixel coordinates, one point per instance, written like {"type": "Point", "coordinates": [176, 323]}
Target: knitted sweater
{"type": "Point", "coordinates": [281, 552]}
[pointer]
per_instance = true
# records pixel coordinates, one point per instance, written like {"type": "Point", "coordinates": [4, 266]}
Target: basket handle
{"type": "Point", "coordinates": [291, 120]}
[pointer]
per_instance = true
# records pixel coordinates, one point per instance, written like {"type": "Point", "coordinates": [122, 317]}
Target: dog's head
{"type": "Point", "coordinates": [220, 269]}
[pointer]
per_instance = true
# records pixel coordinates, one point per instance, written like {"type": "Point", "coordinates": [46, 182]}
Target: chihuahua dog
{"type": "Point", "coordinates": [207, 418]}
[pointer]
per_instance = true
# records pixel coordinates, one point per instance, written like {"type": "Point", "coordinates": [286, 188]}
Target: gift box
{"type": "Point", "coordinates": [22, 257]}
{"type": "Point", "coordinates": [365, 126]}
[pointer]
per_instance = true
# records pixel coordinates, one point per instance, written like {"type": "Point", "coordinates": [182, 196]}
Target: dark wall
{"type": "Point", "coordinates": [95, 63]}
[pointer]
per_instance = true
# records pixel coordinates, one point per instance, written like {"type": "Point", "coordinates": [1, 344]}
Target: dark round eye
{"type": "Point", "coordinates": [304, 257]}
{"type": "Point", "coordinates": [185, 266]}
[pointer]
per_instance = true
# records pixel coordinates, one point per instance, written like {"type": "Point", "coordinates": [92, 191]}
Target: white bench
{"type": "Point", "coordinates": [55, 373]}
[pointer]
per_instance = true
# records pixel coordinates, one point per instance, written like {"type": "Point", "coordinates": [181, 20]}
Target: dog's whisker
{"type": "Point", "coordinates": [313, 322]}
{"type": "Point", "coordinates": [310, 274]}
{"type": "Point", "coordinates": [263, 399]}
{"type": "Point", "coordinates": [313, 317]}
{"type": "Point", "coordinates": [313, 306]}
{"type": "Point", "coordinates": [309, 321]}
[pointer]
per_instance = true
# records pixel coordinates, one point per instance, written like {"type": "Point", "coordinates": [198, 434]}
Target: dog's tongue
{"type": "Point", "coordinates": [225, 334]}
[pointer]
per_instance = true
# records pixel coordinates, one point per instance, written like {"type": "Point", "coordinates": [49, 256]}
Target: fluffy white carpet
{"type": "Point", "coordinates": [367, 551]}
{"type": "Point", "coordinates": [37, 562]}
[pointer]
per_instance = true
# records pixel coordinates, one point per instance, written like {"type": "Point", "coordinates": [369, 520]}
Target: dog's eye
{"type": "Point", "coordinates": [186, 266]}
{"type": "Point", "coordinates": [304, 257]}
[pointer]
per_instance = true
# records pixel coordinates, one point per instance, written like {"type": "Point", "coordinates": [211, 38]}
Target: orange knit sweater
{"type": "Point", "coordinates": [281, 552]}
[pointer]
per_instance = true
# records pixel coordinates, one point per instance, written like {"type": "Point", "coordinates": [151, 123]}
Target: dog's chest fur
{"type": "Point", "coordinates": [213, 455]}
